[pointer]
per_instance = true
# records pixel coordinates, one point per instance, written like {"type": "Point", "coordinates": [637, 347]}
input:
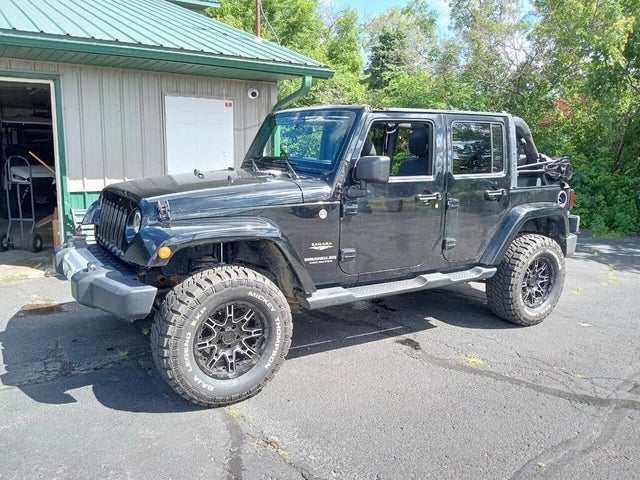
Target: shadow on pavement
{"type": "Point", "coordinates": [393, 317]}
{"type": "Point", "coordinates": [621, 253]}
{"type": "Point", "coordinates": [51, 352]}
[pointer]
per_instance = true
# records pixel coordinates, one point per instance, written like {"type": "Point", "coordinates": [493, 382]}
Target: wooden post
{"type": "Point", "coordinates": [56, 228]}
{"type": "Point", "coordinates": [258, 17]}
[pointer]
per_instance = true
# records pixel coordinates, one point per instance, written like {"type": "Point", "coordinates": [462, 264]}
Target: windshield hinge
{"type": "Point", "coordinates": [164, 211]}
{"type": "Point", "coordinates": [449, 243]}
{"type": "Point", "coordinates": [453, 203]}
{"type": "Point", "coordinates": [349, 209]}
{"type": "Point", "coordinates": [347, 254]}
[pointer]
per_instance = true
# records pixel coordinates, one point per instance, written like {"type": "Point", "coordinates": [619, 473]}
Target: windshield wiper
{"type": "Point", "coordinates": [292, 173]}
{"type": "Point", "coordinates": [276, 161]}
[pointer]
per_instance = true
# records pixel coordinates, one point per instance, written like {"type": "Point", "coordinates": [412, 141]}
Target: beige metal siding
{"type": "Point", "coordinates": [114, 122]}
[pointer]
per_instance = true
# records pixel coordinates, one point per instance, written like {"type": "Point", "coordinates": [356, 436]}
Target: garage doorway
{"type": "Point", "coordinates": [28, 159]}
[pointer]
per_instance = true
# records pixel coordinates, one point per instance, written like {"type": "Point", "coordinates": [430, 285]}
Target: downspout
{"type": "Point", "coordinates": [301, 92]}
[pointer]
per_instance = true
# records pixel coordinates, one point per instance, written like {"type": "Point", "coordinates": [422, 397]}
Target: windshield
{"type": "Point", "coordinates": [297, 141]}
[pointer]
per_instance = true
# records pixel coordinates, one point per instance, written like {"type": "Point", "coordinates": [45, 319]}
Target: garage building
{"type": "Point", "coordinates": [93, 93]}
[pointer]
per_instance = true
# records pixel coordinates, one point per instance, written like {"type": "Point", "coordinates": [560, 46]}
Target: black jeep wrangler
{"type": "Point", "coordinates": [331, 205]}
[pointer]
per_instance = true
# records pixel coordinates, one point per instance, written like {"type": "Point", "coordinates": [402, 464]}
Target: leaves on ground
{"type": "Point", "coordinates": [472, 359]}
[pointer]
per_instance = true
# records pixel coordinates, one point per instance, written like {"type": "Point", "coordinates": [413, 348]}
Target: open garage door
{"type": "Point", "coordinates": [28, 186]}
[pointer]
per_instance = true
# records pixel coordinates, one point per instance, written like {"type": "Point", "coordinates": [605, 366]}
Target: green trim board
{"type": "Point", "coordinates": [82, 200]}
{"type": "Point", "coordinates": [59, 129]}
{"type": "Point", "coordinates": [196, 4]}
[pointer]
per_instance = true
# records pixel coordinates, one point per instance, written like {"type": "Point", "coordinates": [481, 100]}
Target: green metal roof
{"type": "Point", "coordinates": [152, 35]}
{"type": "Point", "coordinates": [197, 5]}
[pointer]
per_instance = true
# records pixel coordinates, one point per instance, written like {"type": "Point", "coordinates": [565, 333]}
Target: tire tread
{"type": "Point", "coordinates": [183, 299]}
{"type": "Point", "coordinates": [503, 288]}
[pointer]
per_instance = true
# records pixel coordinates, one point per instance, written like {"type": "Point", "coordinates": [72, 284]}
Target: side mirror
{"type": "Point", "coordinates": [373, 169]}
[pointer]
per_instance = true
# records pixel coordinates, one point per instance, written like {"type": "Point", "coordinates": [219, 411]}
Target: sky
{"type": "Point", "coordinates": [371, 8]}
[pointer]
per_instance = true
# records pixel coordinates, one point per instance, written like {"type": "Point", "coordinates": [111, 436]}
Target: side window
{"type": "Point", "coordinates": [407, 144]}
{"type": "Point", "coordinates": [478, 148]}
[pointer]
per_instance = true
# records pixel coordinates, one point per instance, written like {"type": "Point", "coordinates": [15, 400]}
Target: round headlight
{"type": "Point", "coordinates": [134, 222]}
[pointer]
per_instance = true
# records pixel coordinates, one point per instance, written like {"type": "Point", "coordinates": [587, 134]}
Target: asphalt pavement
{"type": "Point", "coordinates": [416, 386]}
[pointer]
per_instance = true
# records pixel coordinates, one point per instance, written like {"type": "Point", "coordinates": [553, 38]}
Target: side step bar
{"type": "Point", "coordinates": [328, 297]}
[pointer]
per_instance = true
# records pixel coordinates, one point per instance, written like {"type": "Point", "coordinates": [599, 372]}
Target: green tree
{"type": "Point", "coordinates": [300, 26]}
{"type": "Point", "coordinates": [342, 52]}
{"type": "Point", "coordinates": [594, 65]}
{"type": "Point", "coordinates": [388, 55]}
{"type": "Point", "coordinates": [502, 59]}
{"type": "Point", "coordinates": [295, 24]}
{"type": "Point", "coordinates": [400, 40]}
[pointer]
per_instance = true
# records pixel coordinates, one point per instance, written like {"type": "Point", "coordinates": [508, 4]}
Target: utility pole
{"type": "Point", "coordinates": [258, 15]}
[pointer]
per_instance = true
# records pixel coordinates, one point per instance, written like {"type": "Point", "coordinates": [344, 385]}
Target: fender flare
{"type": "Point", "coordinates": [516, 219]}
{"type": "Point", "coordinates": [222, 230]}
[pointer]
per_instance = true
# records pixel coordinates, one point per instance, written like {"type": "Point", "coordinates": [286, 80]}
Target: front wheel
{"type": "Point", "coordinates": [35, 242]}
{"type": "Point", "coordinates": [529, 280]}
{"type": "Point", "coordinates": [221, 335]}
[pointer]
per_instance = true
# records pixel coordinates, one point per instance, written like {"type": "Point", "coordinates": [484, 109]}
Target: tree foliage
{"type": "Point", "coordinates": [299, 25]}
{"type": "Point", "coordinates": [593, 62]}
{"type": "Point", "coordinates": [571, 68]}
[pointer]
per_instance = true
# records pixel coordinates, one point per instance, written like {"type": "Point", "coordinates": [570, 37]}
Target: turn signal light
{"type": "Point", "coordinates": [164, 252]}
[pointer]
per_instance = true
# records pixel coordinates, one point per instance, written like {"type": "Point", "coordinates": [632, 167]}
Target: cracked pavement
{"type": "Point", "coordinates": [423, 385]}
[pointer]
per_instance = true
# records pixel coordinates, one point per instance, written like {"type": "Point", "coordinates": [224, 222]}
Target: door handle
{"type": "Point", "coordinates": [493, 195]}
{"type": "Point", "coordinates": [426, 197]}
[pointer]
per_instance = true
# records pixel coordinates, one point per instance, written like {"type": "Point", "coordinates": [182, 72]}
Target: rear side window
{"type": "Point", "coordinates": [478, 148]}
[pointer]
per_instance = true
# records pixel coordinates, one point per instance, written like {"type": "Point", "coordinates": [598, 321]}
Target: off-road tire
{"type": "Point", "coordinates": [221, 335]}
{"type": "Point", "coordinates": [529, 280]}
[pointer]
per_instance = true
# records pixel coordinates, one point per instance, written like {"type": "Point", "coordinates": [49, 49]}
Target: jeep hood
{"type": "Point", "coordinates": [220, 192]}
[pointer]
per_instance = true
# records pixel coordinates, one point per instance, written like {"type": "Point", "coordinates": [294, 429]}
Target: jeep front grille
{"type": "Point", "coordinates": [112, 224]}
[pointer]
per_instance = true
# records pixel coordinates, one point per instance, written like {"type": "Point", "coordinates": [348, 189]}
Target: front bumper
{"type": "Point", "coordinates": [99, 281]}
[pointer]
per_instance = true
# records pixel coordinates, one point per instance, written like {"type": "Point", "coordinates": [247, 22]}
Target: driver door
{"type": "Point", "coordinates": [396, 226]}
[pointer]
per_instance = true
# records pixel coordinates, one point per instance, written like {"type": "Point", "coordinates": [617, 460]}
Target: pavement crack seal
{"type": "Point", "coordinates": [408, 342]}
{"type": "Point", "coordinates": [260, 440]}
{"type": "Point", "coordinates": [235, 464]}
{"type": "Point", "coordinates": [595, 436]}
{"type": "Point", "coordinates": [556, 392]}
{"type": "Point", "coordinates": [272, 445]}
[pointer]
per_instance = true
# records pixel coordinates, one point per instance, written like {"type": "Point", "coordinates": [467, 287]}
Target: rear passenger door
{"type": "Point", "coordinates": [477, 184]}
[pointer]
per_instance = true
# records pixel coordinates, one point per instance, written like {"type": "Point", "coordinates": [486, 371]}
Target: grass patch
{"type": "Point", "coordinates": [234, 413]}
{"type": "Point", "coordinates": [14, 276]}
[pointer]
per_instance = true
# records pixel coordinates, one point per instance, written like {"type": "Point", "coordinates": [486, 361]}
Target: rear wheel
{"type": "Point", "coordinates": [221, 335]}
{"type": "Point", "coordinates": [529, 280]}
